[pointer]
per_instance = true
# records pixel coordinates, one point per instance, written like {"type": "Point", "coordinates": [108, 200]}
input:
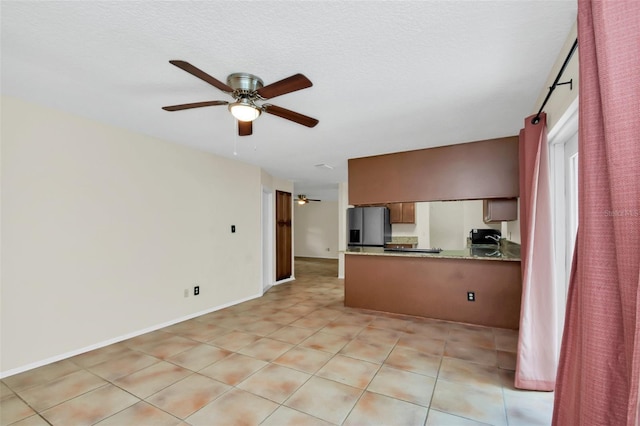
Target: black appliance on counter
{"type": "Point", "coordinates": [485, 236]}
{"type": "Point", "coordinates": [368, 226]}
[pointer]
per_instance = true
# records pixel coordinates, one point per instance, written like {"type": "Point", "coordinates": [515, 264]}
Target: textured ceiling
{"type": "Point", "coordinates": [387, 76]}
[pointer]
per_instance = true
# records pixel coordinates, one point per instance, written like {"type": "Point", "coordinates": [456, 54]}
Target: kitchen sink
{"type": "Point", "coordinates": [492, 251]}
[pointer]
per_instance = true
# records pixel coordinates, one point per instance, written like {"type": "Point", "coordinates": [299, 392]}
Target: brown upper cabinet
{"type": "Point", "coordinates": [499, 209]}
{"type": "Point", "coordinates": [402, 212]}
{"type": "Point", "coordinates": [469, 171]}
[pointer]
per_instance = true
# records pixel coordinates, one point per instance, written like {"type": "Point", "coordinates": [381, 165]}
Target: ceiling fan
{"type": "Point", "coordinates": [302, 199]}
{"type": "Point", "coordinates": [248, 91]}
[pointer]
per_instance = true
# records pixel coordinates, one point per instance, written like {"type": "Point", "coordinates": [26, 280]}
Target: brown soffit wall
{"type": "Point", "coordinates": [474, 170]}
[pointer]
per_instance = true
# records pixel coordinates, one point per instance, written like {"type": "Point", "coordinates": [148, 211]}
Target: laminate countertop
{"type": "Point", "coordinates": [508, 253]}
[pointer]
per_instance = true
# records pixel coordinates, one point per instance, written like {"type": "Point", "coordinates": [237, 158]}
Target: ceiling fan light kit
{"type": "Point", "coordinates": [247, 89]}
{"type": "Point", "coordinates": [244, 110]}
{"type": "Point", "coordinates": [244, 85]}
{"type": "Point", "coordinates": [302, 199]}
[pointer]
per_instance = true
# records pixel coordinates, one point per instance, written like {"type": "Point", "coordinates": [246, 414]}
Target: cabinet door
{"type": "Point", "coordinates": [402, 212]}
{"type": "Point", "coordinates": [395, 212]}
{"type": "Point", "coordinates": [408, 212]}
{"type": "Point", "coordinates": [500, 209]}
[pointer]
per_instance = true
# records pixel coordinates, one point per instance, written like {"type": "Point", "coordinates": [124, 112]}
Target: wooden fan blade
{"type": "Point", "coordinates": [290, 115]}
{"type": "Point", "coordinates": [186, 66]}
{"type": "Point", "coordinates": [194, 105]}
{"type": "Point", "coordinates": [288, 85]}
{"type": "Point", "coordinates": [245, 128]}
{"type": "Point", "coordinates": [311, 199]}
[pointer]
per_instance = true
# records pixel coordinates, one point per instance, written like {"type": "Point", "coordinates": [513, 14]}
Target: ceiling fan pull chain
{"type": "Point", "coordinates": [235, 136]}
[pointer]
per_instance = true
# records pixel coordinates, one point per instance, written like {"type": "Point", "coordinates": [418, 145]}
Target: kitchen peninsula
{"type": "Point", "coordinates": [436, 285]}
{"type": "Point", "coordinates": [476, 285]}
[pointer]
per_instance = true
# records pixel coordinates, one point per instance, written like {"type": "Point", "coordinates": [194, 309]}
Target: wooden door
{"type": "Point", "coordinates": [283, 235]}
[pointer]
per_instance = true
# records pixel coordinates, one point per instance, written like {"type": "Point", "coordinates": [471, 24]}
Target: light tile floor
{"type": "Point", "coordinates": [295, 356]}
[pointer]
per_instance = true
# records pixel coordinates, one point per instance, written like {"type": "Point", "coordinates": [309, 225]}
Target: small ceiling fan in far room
{"type": "Point", "coordinates": [248, 91]}
{"type": "Point", "coordinates": [302, 199]}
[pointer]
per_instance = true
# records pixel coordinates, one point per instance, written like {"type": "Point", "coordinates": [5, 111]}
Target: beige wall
{"type": "Point", "coordinates": [316, 229]}
{"type": "Point", "coordinates": [103, 230]}
{"type": "Point", "coordinates": [275, 183]}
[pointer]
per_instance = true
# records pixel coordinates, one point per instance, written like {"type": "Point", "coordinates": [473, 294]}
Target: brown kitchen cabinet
{"type": "Point", "coordinates": [499, 209]}
{"type": "Point", "coordinates": [467, 171]}
{"type": "Point", "coordinates": [402, 212]}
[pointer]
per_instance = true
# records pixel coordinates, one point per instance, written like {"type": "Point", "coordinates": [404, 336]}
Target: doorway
{"type": "Point", "coordinates": [563, 167]}
{"type": "Point", "coordinates": [267, 239]}
{"type": "Point", "coordinates": [284, 258]}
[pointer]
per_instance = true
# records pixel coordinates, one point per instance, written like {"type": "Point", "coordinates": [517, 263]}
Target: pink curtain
{"type": "Point", "coordinates": [599, 372]}
{"type": "Point", "coordinates": [537, 345]}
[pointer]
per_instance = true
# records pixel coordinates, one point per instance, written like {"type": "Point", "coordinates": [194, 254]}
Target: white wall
{"type": "Point", "coordinates": [511, 231]}
{"type": "Point", "coordinates": [104, 229]}
{"type": "Point", "coordinates": [418, 229]}
{"type": "Point", "coordinates": [445, 226]}
{"type": "Point", "coordinates": [451, 222]}
{"type": "Point", "coordinates": [473, 217]}
{"type": "Point", "coordinates": [559, 102]}
{"type": "Point", "coordinates": [563, 96]}
{"type": "Point", "coordinates": [316, 229]}
{"type": "Point", "coordinates": [343, 205]}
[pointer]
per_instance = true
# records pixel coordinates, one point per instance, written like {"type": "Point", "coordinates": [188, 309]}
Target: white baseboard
{"type": "Point", "coordinates": [286, 280]}
{"type": "Point", "coordinates": [31, 366]}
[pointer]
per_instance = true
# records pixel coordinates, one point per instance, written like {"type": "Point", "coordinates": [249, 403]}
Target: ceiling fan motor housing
{"type": "Point", "coordinates": [244, 87]}
{"type": "Point", "coordinates": [242, 82]}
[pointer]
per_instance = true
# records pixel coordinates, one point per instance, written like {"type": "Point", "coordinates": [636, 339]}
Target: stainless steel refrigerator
{"type": "Point", "coordinates": [368, 226]}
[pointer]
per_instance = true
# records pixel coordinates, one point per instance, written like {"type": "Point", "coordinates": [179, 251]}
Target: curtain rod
{"type": "Point", "coordinates": [536, 119]}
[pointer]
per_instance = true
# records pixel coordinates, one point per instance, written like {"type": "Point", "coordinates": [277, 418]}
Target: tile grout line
{"type": "Point", "coordinates": [342, 314]}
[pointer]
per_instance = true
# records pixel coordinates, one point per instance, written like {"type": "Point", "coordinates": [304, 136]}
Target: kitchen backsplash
{"type": "Point", "coordinates": [404, 239]}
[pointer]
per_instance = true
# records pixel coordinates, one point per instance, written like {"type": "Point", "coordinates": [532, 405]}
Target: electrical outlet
{"type": "Point", "coordinates": [471, 296]}
{"type": "Point", "coordinates": [186, 292]}
{"type": "Point", "coordinates": [196, 290]}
